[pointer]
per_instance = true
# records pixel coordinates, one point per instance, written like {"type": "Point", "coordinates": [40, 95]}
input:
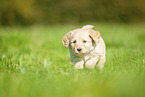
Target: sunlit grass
{"type": "Point", "coordinates": [34, 63]}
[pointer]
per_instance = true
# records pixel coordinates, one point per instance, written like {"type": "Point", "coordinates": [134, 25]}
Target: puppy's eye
{"type": "Point", "coordinates": [84, 41]}
{"type": "Point", "coordinates": [74, 41]}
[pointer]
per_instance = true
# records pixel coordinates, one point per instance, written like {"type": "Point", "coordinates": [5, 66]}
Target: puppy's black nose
{"type": "Point", "coordinates": [79, 49]}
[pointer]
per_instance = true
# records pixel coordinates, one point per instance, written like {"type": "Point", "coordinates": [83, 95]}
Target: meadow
{"type": "Point", "coordinates": [34, 63]}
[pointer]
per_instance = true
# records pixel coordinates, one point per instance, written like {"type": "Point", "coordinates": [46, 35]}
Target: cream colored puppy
{"type": "Point", "coordinates": [86, 47]}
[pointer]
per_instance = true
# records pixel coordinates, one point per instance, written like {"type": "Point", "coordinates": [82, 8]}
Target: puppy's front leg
{"type": "Point", "coordinates": [79, 64]}
{"type": "Point", "coordinates": [91, 62]}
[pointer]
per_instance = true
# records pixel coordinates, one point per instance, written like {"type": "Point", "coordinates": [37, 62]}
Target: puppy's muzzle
{"type": "Point", "coordinates": [79, 49]}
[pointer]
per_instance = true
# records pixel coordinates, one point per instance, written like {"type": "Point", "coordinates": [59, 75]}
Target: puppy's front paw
{"type": "Point", "coordinates": [79, 66]}
{"type": "Point", "coordinates": [100, 67]}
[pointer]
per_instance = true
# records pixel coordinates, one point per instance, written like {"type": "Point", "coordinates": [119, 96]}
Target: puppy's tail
{"type": "Point", "coordinates": [87, 27]}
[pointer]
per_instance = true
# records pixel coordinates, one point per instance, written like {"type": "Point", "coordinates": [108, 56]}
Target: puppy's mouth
{"type": "Point", "coordinates": [79, 53]}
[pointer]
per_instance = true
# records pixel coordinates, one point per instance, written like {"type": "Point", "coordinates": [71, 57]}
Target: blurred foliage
{"type": "Point", "coordinates": [70, 11]}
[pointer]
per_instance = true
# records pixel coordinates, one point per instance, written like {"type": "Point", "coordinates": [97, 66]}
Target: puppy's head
{"type": "Point", "coordinates": [81, 40]}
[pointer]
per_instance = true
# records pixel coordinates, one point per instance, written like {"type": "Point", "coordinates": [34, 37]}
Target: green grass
{"type": "Point", "coordinates": [34, 63]}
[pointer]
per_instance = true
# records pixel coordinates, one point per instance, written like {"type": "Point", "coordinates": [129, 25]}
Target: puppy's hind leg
{"type": "Point", "coordinates": [101, 62]}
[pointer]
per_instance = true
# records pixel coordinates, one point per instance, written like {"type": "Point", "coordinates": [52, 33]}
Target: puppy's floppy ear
{"type": "Point", "coordinates": [66, 40]}
{"type": "Point", "coordinates": [87, 27]}
{"type": "Point", "coordinates": [95, 35]}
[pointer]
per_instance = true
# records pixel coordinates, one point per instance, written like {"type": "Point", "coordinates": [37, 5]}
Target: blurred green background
{"type": "Point", "coordinates": [70, 11]}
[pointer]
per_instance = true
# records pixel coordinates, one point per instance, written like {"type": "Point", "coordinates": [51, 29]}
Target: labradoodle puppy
{"type": "Point", "coordinates": [86, 47]}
